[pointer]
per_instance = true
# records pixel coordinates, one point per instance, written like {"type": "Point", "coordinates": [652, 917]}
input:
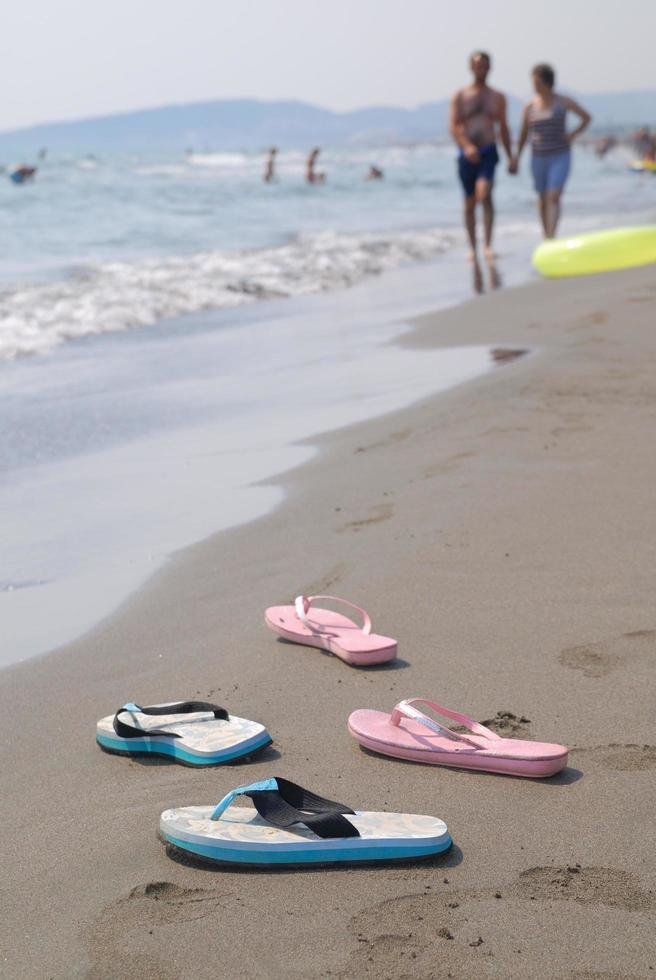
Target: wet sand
{"type": "Point", "coordinates": [505, 532]}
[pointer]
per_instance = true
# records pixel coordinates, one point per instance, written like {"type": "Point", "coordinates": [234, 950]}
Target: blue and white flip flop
{"type": "Point", "coordinates": [291, 825]}
{"type": "Point", "coordinates": [210, 738]}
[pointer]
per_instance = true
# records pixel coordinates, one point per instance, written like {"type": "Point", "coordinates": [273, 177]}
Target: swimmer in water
{"type": "Point", "coordinates": [22, 173]}
{"type": "Point", "coordinates": [642, 142]}
{"type": "Point", "coordinates": [604, 145]}
{"type": "Point", "coordinates": [375, 173]}
{"type": "Point", "coordinates": [270, 170]}
{"type": "Point", "coordinates": [477, 114]}
{"type": "Point", "coordinates": [311, 175]}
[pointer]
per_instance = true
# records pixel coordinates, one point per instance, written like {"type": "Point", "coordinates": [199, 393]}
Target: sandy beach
{"type": "Point", "coordinates": [505, 533]}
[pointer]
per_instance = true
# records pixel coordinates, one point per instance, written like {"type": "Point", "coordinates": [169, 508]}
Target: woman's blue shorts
{"type": "Point", "coordinates": [550, 170]}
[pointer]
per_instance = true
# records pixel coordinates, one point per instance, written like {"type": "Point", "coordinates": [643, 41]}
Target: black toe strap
{"type": "Point", "coordinates": [182, 708]}
{"type": "Point", "coordinates": [284, 804]}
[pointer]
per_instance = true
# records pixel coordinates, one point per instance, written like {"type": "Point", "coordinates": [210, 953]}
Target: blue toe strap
{"type": "Point", "coordinates": [262, 786]}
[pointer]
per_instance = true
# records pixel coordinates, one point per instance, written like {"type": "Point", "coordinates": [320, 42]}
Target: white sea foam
{"type": "Point", "coordinates": [231, 160]}
{"type": "Point", "coordinates": [115, 296]}
{"type": "Point", "coordinates": [160, 170]}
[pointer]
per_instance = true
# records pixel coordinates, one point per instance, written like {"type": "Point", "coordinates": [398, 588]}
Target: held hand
{"type": "Point", "coordinates": [472, 154]}
{"type": "Point", "coordinates": [513, 165]}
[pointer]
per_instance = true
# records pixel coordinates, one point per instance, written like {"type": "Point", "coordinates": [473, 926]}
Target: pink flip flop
{"type": "Point", "coordinates": [410, 734]}
{"type": "Point", "coordinates": [303, 623]}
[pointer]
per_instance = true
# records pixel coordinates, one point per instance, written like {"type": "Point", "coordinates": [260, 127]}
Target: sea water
{"type": "Point", "coordinates": [120, 243]}
{"type": "Point", "coordinates": [172, 329]}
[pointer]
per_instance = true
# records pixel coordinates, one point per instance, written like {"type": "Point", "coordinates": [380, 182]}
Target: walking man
{"type": "Point", "coordinates": [477, 116]}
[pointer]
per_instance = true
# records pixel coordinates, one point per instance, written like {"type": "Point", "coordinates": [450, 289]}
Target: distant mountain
{"type": "Point", "coordinates": [622, 110]}
{"type": "Point", "coordinates": [253, 124]}
{"type": "Point", "coordinates": [232, 124]}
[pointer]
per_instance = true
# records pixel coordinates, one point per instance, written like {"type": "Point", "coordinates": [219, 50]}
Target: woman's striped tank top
{"type": "Point", "coordinates": [547, 128]}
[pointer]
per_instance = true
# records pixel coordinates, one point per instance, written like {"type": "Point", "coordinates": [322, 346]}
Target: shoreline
{"type": "Point", "coordinates": [113, 534]}
{"type": "Point", "coordinates": [502, 530]}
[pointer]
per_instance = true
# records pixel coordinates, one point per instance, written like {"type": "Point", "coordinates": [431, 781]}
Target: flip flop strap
{"type": "Point", "coordinates": [406, 709]}
{"type": "Point", "coordinates": [182, 708]}
{"type": "Point", "coordinates": [284, 804]}
{"type": "Point", "coordinates": [302, 604]}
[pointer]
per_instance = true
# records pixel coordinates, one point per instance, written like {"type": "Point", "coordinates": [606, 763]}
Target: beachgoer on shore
{"type": "Point", "coordinates": [477, 115]}
{"type": "Point", "coordinates": [545, 123]}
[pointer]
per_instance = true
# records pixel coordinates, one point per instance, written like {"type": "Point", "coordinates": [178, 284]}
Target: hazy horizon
{"type": "Point", "coordinates": [370, 54]}
{"type": "Point", "coordinates": [244, 98]}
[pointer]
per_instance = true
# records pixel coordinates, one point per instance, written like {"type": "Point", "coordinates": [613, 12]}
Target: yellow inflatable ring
{"type": "Point", "coordinates": [598, 251]}
{"type": "Point", "coordinates": [641, 165]}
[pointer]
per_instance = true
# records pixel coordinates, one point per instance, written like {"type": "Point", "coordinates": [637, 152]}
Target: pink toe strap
{"type": "Point", "coordinates": [406, 709]}
{"type": "Point", "coordinates": [302, 604]}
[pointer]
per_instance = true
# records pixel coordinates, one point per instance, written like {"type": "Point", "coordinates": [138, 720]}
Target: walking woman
{"type": "Point", "coordinates": [544, 121]}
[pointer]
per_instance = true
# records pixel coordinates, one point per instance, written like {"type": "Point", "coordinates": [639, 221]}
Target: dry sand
{"type": "Point", "coordinates": [505, 532]}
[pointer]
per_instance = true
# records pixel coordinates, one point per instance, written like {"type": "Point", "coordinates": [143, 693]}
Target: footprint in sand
{"type": "Point", "coordinates": [507, 723]}
{"type": "Point", "coordinates": [567, 430]}
{"type": "Point", "coordinates": [504, 723]}
{"type": "Point", "coordinates": [500, 430]}
{"type": "Point", "coordinates": [446, 465]}
{"type": "Point", "coordinates": [591, 320]}
{"type": "Point", "coordinates": [599, 659]}
{"type": "Point", "coordinates": [612, 887]}
{"type": "Point", "coordinates": [383, 949]}
{"type": "Point", "coordinates": [392, 438]}
{"type": "Point", "coordinates": [321, 585]}
{"type": "Point", "coordinates": [381, 512]}
{"type": "Point", "coordinates": [123, 942]}
{"type": "Point", "coordinates": [327, 581]}
{"type": "Point", "coordinates": [601, 975]}
{"type": "Point", "coordinates": [618, 758]}
{"type": "Point", "coordinates": [592, 660]}
{"type": "Point", "coordinates": [490, 932]}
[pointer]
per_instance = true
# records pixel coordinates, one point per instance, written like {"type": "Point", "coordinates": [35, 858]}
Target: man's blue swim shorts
{"type": "Point", "coordinates": [470, 172]}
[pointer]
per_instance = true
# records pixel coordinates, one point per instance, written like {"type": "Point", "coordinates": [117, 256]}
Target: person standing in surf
{"type": "Point", "coordinates": [270, 169]}
{"type": "Point", "coordinates": [545, 122]}
{"type": "Point", "coordinates": [477, 115]}
{"type": "Point", "coordinates": [311, 175]}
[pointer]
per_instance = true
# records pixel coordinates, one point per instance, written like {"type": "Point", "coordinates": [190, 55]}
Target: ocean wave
{"type": "Point", "coordinates": [118, 296]}
{"type": "Point", "coordinates": [221, 159]}
{"type": "Point", "coordinates": [160, 170]}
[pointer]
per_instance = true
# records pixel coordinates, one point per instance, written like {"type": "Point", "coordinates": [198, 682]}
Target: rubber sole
{"type": "Point", "coordinates": [203, 856]}
{"type": "Point", "coordinates": [182, 758]}
{"type": "Point", "coordinates": [540, 769]}
{"type": "Point", "coordinates": [372, 659]}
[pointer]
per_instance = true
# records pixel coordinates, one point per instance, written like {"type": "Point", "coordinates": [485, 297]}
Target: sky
{"type": "Point", "coordinates": [68, 59]}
